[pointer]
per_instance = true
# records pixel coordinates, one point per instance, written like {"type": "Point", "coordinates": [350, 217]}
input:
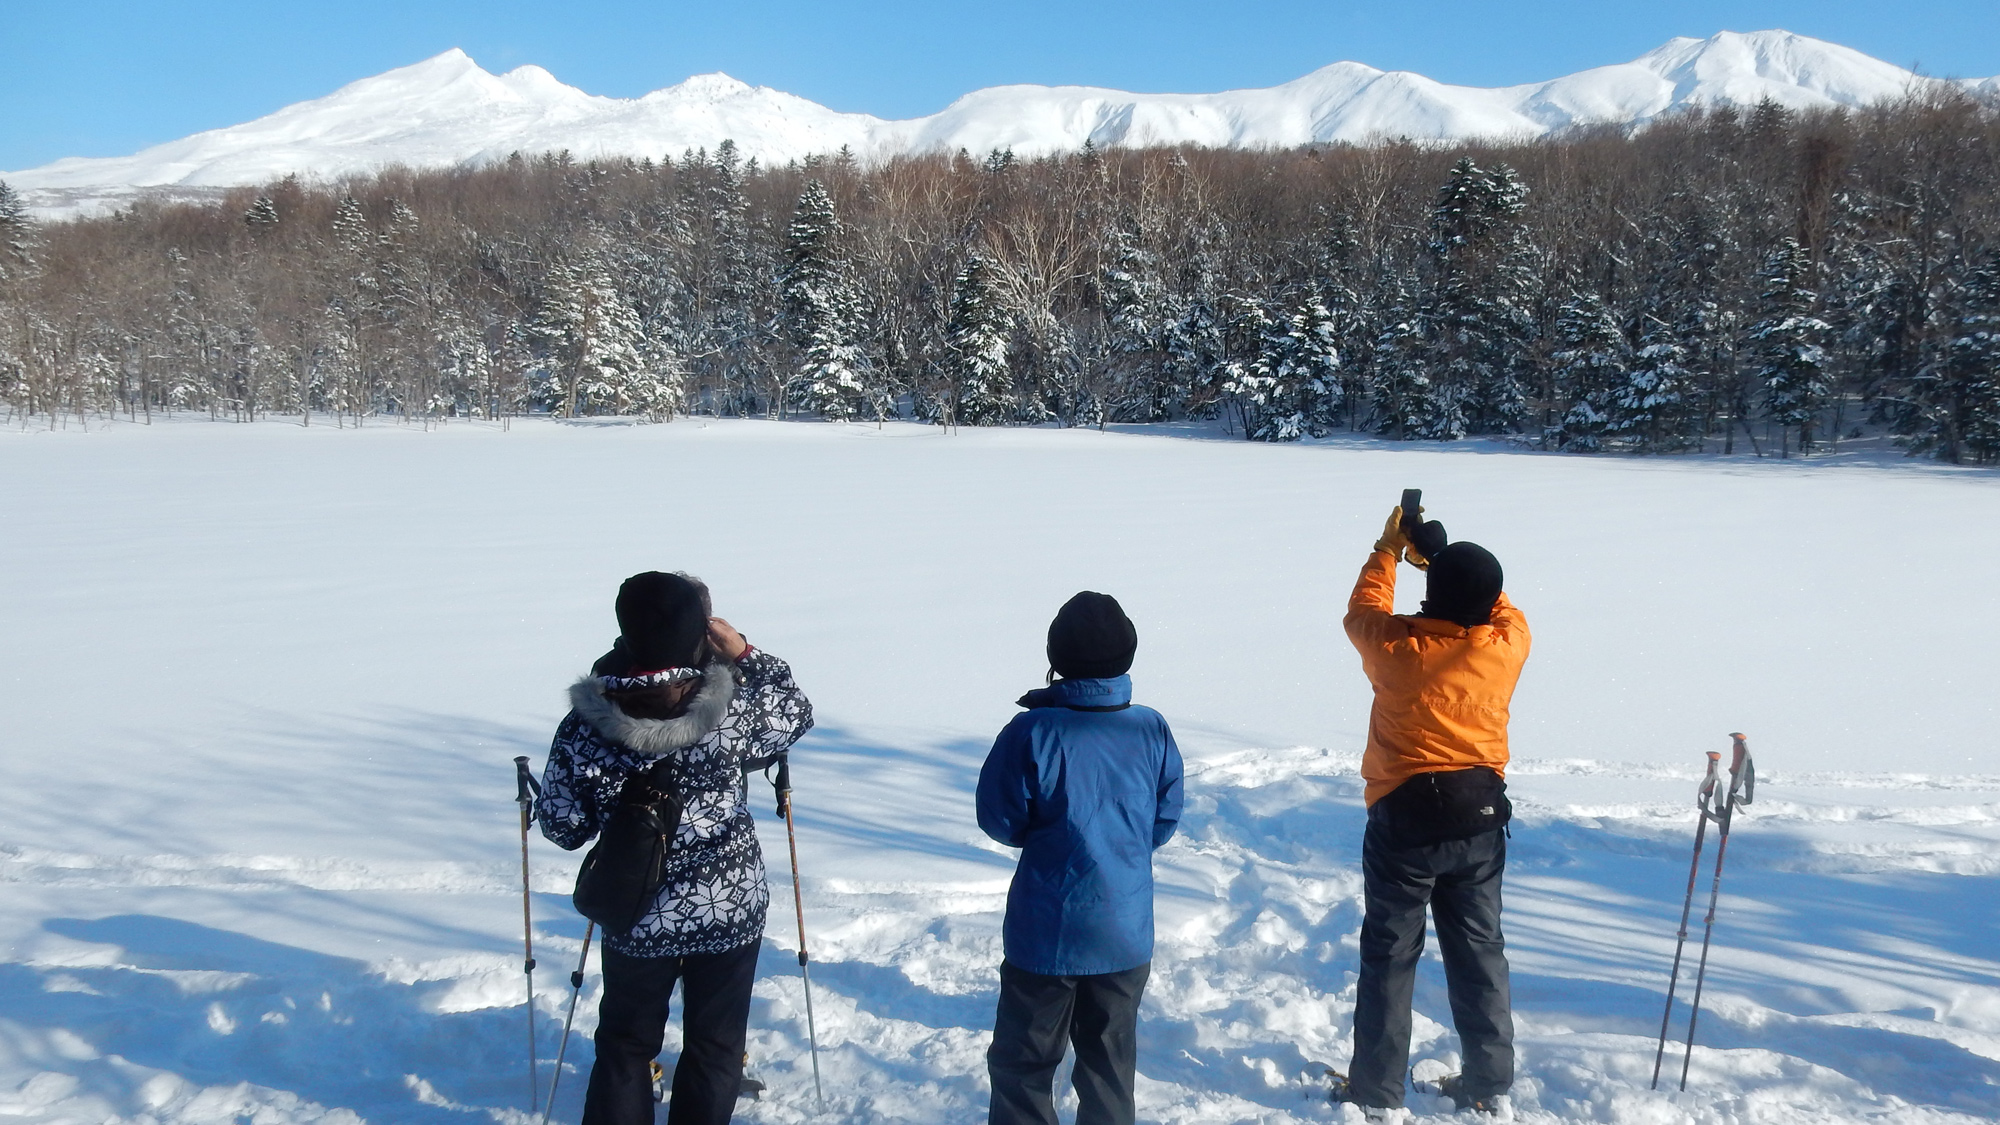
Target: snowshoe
{"type": "Point", "coordinates": [1499, 1107]}
{"type": "Point", "coordinates": [1339, 1091]}
{"type": "Point", "coordinates": [751, 1088]}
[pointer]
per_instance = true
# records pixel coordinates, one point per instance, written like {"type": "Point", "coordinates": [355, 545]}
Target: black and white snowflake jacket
{"type": "Point", "coordinates": [714, 895]}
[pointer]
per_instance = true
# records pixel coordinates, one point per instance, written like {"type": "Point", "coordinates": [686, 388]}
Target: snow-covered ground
{"type": "Point", "coordinates": [260, 686]}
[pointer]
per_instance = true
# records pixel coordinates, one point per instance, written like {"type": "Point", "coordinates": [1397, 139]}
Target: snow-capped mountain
{"type": "Point", "coordinates": [447, 110]}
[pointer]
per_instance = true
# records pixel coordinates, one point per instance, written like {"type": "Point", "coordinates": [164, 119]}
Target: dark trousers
{"type": "Point", "coordinates": [1460, 881]}
{"type": "Point", "coordinates": [632, 1025]}
{"type": "Point", "coordinates": [1038, 1017]}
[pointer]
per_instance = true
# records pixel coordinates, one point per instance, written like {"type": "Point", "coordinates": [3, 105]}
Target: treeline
{"type": "Point", "coordinates": [1720, 276]}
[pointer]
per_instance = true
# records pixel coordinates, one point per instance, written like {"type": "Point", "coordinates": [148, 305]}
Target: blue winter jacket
{"type": "Point", "coordinates": [1086, 785]}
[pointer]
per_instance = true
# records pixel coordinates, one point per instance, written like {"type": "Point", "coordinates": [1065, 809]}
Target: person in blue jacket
{"type": "Point", "coordinates": [1087, 785]}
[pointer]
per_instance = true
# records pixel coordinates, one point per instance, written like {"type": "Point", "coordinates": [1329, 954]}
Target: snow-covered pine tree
{"type": "Point", "coordinates": [590, 338]}
{"type": "Point", "coordinates": [1644, 408]}
{"type": "Point", "coordinates": [1951, 409]}
{"type": "Point", "coordinates": [1313, 363]}
{"type": "Point", "coordinates": [1340, 284]}
{"type": "Point", "coordinates": [1788, 344]}
{"type": "Point", "coordinates": [658, 388]}
{"type": "Point", "coordinates": [1244, 375]}
{"type": "Point", "coordinates": [1975, 364]}
{"type": "Point", "coordinates": [1400, 391]}
{"type": "Point", "coordinates": [1193, 356]}
{"type": "Point", "coordinates": [17, 322]}
{"type": "Point", "coordinates": [1293, 389]}
{"type": "Point", "coordinates": [819, 311]}
{"type": "Point", "coordinates": [354, 312]}
{"type": "Point", "coordinates": [1482, 277]}
{"type": "Point", "coordinates": [725, 275]}
{"type": "Point", "coordinates": [1592, 361]}
{"type": "Point", "coordinates": [17, 236]}
{"type": "Point", "coordinates": [262, 215]}
{"type": "Point", "coordinates": [980, 382]}
{"type": "Point", "coordinates": [1135, 330]}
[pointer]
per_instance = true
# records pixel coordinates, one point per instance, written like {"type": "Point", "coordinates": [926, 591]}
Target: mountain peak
{"type": "Point", "coordinates": [1746, 67]}
{"type": "Point", "coordinates": [447, 64]}
{"type": "Point", "coordinates": [712, 85]}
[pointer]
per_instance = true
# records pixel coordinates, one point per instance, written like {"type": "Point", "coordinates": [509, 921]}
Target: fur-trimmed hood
{"type": "Point", "coordinates": [657, 738]}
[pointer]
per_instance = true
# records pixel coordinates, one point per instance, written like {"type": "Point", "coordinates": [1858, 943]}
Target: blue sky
{"type": "Point", "coordinates": [107, 77]}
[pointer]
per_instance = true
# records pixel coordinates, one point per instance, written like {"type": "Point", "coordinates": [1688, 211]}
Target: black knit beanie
{"type": "Point", "coordinates": [1091, 638]}
{"type": "Point", "coordinates": [664, 621]}
{"type": "Point", "coordinates": [1464, 582]}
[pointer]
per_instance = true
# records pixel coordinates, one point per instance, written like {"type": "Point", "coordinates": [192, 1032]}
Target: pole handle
{"type": "Point", "coordinates": [526, 788]}
{"type": "Point", "coordinates": [1742, 770]}
{"type": "Point", "coordinates": [783, 783]}
{"type": "Point", "coordinates": [1706, 793]}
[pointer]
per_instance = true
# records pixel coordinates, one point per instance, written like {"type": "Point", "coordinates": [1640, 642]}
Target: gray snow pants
{"type": "Point", "coordinates": [1040, 1016]}
{"type": "Point", "coordinates": [1460, 881]}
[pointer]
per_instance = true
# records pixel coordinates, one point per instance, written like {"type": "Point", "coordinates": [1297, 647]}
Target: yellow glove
{"type": "Point", "coordinates": [1393, 540]}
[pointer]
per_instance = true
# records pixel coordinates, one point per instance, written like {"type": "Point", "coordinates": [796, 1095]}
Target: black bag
{"type": "Point", "coordinates": [1431, 808]}
{"type": "Point", "coordinates": [621, 875]}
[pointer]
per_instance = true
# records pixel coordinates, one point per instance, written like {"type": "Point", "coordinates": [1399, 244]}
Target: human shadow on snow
{"type": "Point", "coordinates": [219, 1008]}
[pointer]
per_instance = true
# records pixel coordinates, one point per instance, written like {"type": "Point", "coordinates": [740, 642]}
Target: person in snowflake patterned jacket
{"type": "Point", "coordinates": [681, 687]}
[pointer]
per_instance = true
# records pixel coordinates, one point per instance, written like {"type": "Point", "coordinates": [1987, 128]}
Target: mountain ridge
{"type": "Point", "coordinates": [447, 110]}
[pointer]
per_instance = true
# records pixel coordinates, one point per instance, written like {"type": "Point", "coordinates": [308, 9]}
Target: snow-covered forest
{"type": "Point", "coordinates": [1715, 279]}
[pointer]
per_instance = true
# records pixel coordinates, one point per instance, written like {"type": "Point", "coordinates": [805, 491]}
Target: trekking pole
{"type": "Point", "coordinates": [575, 989]}
{"type": "Point", "coordinates": [525, 791]}
{"type": "Point", "coordinates": [784, 787]}
{"type": "Point", "coordinates": [1701, 802]}
{"type": "Point", "coordinates": [1742, 788]}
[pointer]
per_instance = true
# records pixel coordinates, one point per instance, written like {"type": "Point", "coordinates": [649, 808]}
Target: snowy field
{"type": "Point", "coordinates": [260, 686]}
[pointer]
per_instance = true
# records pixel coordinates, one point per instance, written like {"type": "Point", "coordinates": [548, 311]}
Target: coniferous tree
{"type": "Point", "coordinates": [979, 382]}
{"type": "Point", "coordinates": [17, 235]}
{"type": "Point", "coordinates": [1787, 345]}
{"type": "Point", "coordinates": [1293, 387]}
{"type": "Point", "coordinates": [1951, 410]}
{"type": "Point", "coordinates": [1194, 353]}
{"type": "Point", "coordinates": [17, 324]}
{"type": "Point", "coordinates": [724, 282]}
{"type": "Point", "coordinates": [1592, 365]}
{"type": "Point", "coordinates": [590, 338]}
{"type": "Point", "coordinates": [1974, 365]}
{"type": "Point", "coordinates": [262, 215]}
{"type": "Point", "coordinates": [1135, 332]}
{"type": "Point", "coordinates": [1644, 409]}
{"type": "Point", "coordinates": [1400, 390]}
{"type": "Point", "coordinates": [1244, 373]}
{"type": "Point", "coordinates": [820, 311]}
{"type": "Point", "coordinates": [1478, 311]}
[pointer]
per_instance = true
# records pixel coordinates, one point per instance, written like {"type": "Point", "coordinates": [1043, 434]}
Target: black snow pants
{"type": "Point", "coordinates": [1460, 881]}
{"type": "Point", "coordinates": [632, 1026]}
{"type": "Point", "coordinates": [1038, 1017]}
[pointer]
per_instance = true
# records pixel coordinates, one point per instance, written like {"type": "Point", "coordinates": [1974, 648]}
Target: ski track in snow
{"type": "Point", "coordinates": [1855, 975]}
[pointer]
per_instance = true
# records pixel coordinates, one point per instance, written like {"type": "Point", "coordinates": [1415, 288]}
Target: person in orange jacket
{"type": "Point", "coordinates": [1435, 769]}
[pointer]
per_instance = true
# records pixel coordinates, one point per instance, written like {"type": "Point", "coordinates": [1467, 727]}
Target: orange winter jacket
{"type": "Point", "coordinates": [1441, 690]}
